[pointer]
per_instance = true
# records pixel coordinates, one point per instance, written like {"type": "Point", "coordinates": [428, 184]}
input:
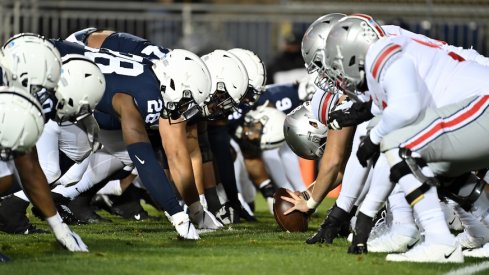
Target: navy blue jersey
{"type": "Point", "coordinates": [124, 73]}
{"type": "Point", "coordinates": [123, 42]}
{"type": "Point", "coordinates": [283, 97]}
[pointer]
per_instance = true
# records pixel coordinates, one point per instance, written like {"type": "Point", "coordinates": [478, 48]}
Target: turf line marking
{"type": "Point", "coordinates": [471, 269]}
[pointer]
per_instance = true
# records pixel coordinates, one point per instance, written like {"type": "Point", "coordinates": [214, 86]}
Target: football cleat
{"type": "Point", "coordinates": [203, 218]}
{"type": "Point", "coordinates": [430, 253]}
{"type": "Point", "coordinates": [226, 214]}
{"type": "Point", "coordinates": [69, 239]}
{"type": "Point", "coordinates": [66, 215]}
{"type": "Point", "coordinates": [470, 242]}
{"type": "Point", "coordinates": [184, 227]}
{"type": "Point", "coordinates": [400, 238]}
{"type": "Point", "coordinates": [84, 211]}
{"type": "Point", "coordinates": [4, 258]}
{"type": "Point", "coordinates": [481, 252]}
{"type": "Point", "coordinates": [330, 227]}
{"type": "Point", "coordinates": [13, 217]}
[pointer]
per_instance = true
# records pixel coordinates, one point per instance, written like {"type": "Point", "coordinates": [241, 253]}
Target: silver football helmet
{"type": "Point", "coordinates": [30, 62]}
{"type": "Point", "coordinates": [229, 83]}
{"type": "Point", "coordinates": [21, 122]}
{"type": "Point", "coordinates": [80, 88]}
{"type": "Point", "coordinates": [264, 127]}
{"type": "Point", "coordinates": [185, 83]}
{"type": "Point", "coordinates": [304, 134]}
{"type": "Point", "coordinates": [314, 41]}
{"type": "Point", "coordinates": [257, 74]}
{"type": "Point", "coordinates": [346, 48]}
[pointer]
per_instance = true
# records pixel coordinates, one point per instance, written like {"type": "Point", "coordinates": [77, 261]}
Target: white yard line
{"type": "Point", "coordinates": [471, 269]}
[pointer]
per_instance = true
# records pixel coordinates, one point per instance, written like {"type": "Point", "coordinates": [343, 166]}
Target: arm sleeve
{"type": "Point", "coordinates": [400, 81]}
{"type": "Point", "coordinates": [153, 177]}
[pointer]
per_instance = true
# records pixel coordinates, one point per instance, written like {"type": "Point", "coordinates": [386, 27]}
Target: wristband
{"type": "Point", "coordinates": [305, 195]}
{"type": "Point", "coordinates": [311, 203]}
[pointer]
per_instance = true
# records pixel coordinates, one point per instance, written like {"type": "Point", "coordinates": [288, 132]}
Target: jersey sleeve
{"type": "Point", "coordinates": [321, 105]}
{"type": "Point", "coordinates": [80, 37]}
{"type": "Point", "coordinates": [128, 43]}
{"type": "Point", "coordinates": [399, 83]}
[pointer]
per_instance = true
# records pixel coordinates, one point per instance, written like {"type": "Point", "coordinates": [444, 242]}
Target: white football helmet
{"type": "Point", "coordinates": [21, 122]}
{"type": "Point", "coordinates": [30, 62]}
{"type": "Point", "coordinates": [304, 134]}
{"type": "Point", "coordinates": [257, 74]}
{"type": "Point", "coordinates": [80, 88]}
{"type": "Point", "coordinates": [346, 48]}
{"type": "Point", "coordinates": [229, 83]}
{"type": "Point", "coordinates": [307, 88]}
{"type": "Point", "coordinates": [266, 125]}
{"type": "Point", "coordinates": [185, 83]}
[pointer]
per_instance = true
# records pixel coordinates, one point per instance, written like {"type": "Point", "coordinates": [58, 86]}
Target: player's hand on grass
{"type": "Point", "coordinates": [69, 239]}
{"type": "Point", "coordinates": [300, 204]}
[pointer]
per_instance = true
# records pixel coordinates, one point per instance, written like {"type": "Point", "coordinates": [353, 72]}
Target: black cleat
{"type": "Point", "coordinates": [4, 258]}
{"type": "Point", "coordinates": [84, 212]}
{"type": "Point", "coordinates": [13, 217]}
{"type": "Point", "coordinates": [363, 226]}
{"type": "Point", "coordinates": [330, 227]}
{"type": "Point", "coordinates": [128, 205]}
{"type": "Point", "coordinates": [64, 212]}
{"type": "Point", "coordinates": [360, 248]}
{"type": "Point", "coordinates": [227, 215]}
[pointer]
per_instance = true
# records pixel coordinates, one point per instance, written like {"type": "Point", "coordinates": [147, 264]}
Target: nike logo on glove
{"type": "Point", "coordinates": [141, 161]}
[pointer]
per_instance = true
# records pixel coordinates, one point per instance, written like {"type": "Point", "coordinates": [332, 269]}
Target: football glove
{"type": "Point", "coordinates": [69, 239]}
{"type": "Point", "coordinates": [349, 114]}
{"type": "Point", "coordinates": [368, 150]}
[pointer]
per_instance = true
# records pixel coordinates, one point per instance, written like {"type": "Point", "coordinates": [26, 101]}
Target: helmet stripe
{"type": "Point", "coordinates": [375, 26]}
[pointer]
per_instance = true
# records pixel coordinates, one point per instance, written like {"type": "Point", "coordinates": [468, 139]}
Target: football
{"type": "Point", "coordinates": [293, 222]}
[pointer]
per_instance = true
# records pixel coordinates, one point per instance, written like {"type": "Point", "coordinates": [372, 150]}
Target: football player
{"type": "Point", "coordinates": [173, 138]}
{"type": "Point", "coordinates": [125, 110]}
{"type": "Point", "coordinates": [20, 74]}
{"type": "Point", "coordinates": [315, 56]}
{"type": "Point", "coordinates": [456, 109]}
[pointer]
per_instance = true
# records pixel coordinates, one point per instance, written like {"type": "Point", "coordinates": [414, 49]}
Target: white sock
{"type": "Point", "coordinates": [380, 190]}
{"type": "Point", "coordinates": [100, 167]}
{"type": "Point", "coordinates": [203, 201]}
{"type": "Point", "coordinates": [75, 173]}
{"type": "Point", "coordinates": [480, 210]}
{"type": "Point", "coordinates": [195, 208]}
{"type": "Point", "coordinates": [429, 213]}
{"type": "Point", "coordinates": [400, 209]}
{"type": "Point", "coordinates": [112, 187]}
{"type": "Point", "coordinates": [221, 193]}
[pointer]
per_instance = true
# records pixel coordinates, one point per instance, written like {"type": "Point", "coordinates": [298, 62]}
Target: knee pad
{"type": "Point", "coordinates": [410, 165]}
{"type": "Point", "coordinates": [464, 190]}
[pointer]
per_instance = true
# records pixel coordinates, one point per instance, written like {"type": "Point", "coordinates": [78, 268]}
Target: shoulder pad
{"type": "Point", "coordinates": [322, 103]}
{"type": "Point", "coordinates": [381, 53]}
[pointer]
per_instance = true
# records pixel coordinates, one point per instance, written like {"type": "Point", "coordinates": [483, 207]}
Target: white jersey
{"type": "Point", "coordinates": [405, 76]}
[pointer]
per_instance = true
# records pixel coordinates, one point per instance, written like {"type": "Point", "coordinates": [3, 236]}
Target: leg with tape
{"type": "Point", "coordinates": [419, 184]}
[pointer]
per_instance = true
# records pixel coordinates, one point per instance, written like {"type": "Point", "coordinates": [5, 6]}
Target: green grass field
{"type": "Point", "coordinates": [152, 247]}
